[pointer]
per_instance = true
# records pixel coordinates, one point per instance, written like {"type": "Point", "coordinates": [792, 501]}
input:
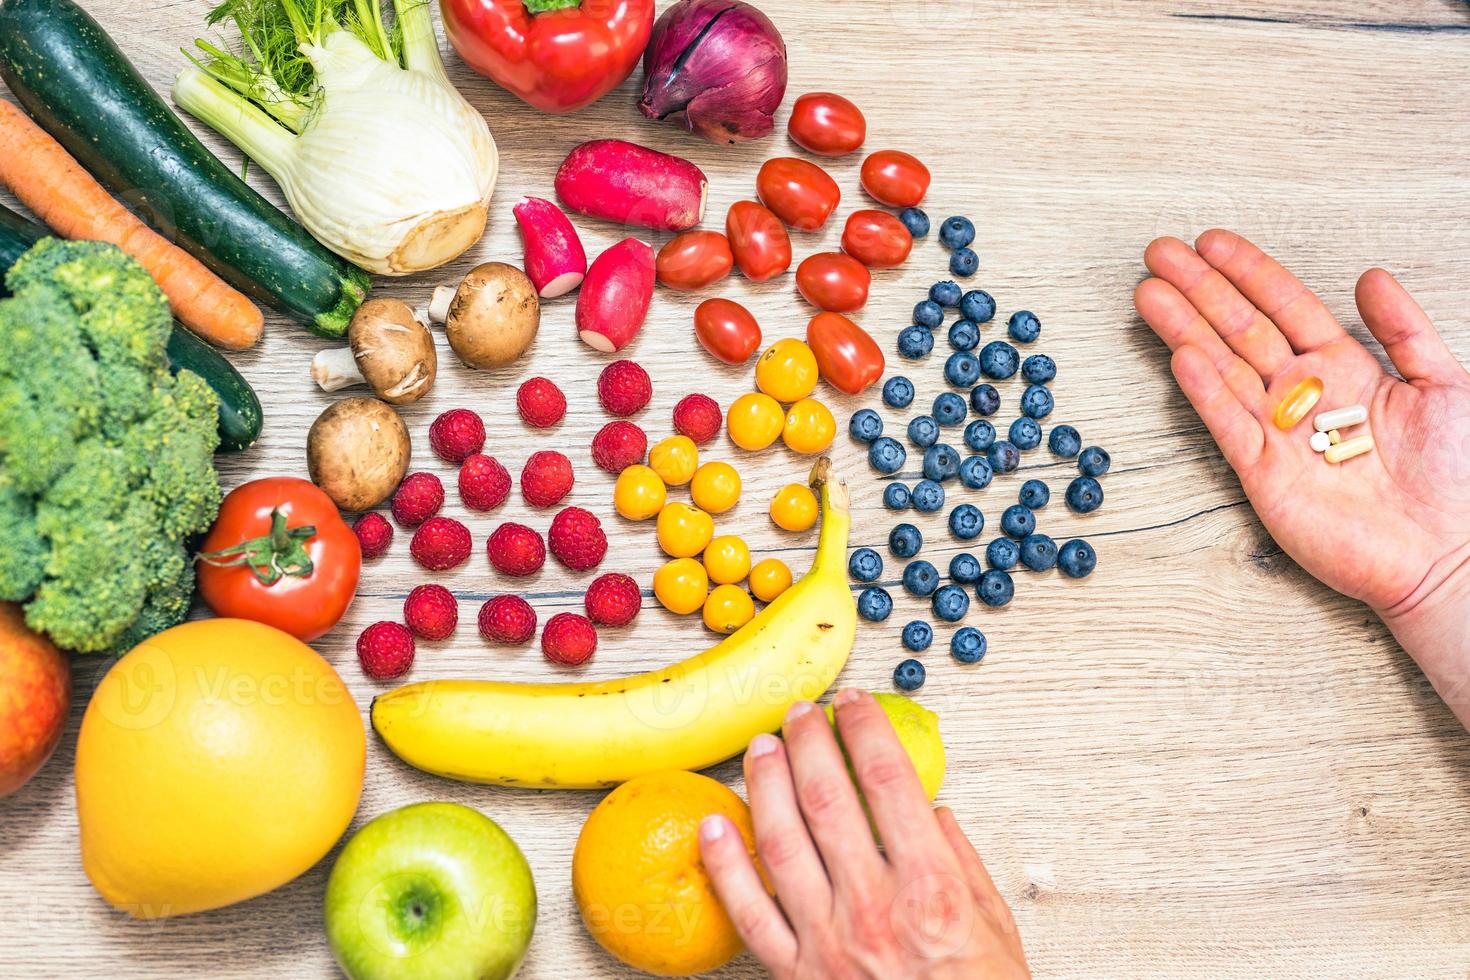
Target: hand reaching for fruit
{"type": "Point", "coordinates": [924, 906]}
{"type": "Point", "coordinates": [1391, 528]}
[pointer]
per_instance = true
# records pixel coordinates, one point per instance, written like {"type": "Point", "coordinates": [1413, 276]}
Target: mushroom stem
{"type": "Point", "coordinates": [439, 304]}
{"type": "Point", "coordinates": [335, 368]}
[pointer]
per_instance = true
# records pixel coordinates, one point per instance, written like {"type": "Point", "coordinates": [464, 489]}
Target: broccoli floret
{"type": "Point", "coordinates": [106, 460]}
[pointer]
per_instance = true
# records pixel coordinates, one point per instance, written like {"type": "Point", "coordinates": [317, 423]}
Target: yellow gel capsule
{"type": "Point", "coordinates": [1343, 451]}
{"type": "Point", "coordinates": [1334, 437]}
{"type": "Point", "coordinates": [1298, 402]}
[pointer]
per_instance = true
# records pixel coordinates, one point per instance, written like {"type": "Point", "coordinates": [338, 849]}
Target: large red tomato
{"type": "Point", "coordinates": [826, 124]}
{"type": "Point", "coordinates": [847, 355]}
{"type": "Point", "coordinates": [833, 281]}
{"type": "Point", "coordinates": [801, 193]}
{"type": "Point", "coordinates": [279, 553]}
{"type": "Point", "coordinates": [727, 330]}
{"type": "Point", "coordinates": [895, 178]}
{"type": "Point", "coordinates": [759, 240]}
{"type": "Point", "coordinates": [876, 239]}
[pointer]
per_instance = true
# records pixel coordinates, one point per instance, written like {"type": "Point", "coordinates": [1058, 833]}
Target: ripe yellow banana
{"type": "Point", "coordinates": [690, 715]}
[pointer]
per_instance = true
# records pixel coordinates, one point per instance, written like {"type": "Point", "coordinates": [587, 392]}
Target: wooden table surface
{"type": "Point", "coordinates": [1200, 761]}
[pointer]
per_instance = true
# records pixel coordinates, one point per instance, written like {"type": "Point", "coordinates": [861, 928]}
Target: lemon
{"type": "Point", "coordinates": [918, 733]}
{"type": "Point", "coordinates": [217, 761]}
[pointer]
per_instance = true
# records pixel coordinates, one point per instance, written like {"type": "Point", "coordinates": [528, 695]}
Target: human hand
{"type": "Point", "coordinates": [924, 907]}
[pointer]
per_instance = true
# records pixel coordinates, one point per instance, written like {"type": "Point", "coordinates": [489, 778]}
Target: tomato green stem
{"type": "Point", "coordinates": [271, 556]}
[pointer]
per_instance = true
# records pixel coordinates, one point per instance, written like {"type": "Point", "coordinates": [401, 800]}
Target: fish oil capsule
{"type": "Point", "coordinates": [1356, 446]}
{"type": "Point", "coordinates": [1320, 442]}
{"type": "Point", "coordinates": [1341, 418]}
{"type": "Point", "coordinates": [1334, 437]}
{"type": "Point", "coordinates": [1298, 402]}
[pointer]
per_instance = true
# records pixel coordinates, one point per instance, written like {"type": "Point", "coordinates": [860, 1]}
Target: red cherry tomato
{"type": "Point", "coordinates": [759, 240]}
{"type": "Point", "coordinates": [727, 330]}
{"type": "Point", "coordinates": [847, 355]}
{"type": "Point", "coordinates": [826, 124]}
{"type": "Point", "coordinates": [833, 281]}
{"type": "Point", "coordinates": [894, 178]}
{"type": "Point", "coordinates": [694, 259]}
{"type": "Point", "coordinates": [876, 239]}
{"type": "Point", "coordinates": [801, 193]}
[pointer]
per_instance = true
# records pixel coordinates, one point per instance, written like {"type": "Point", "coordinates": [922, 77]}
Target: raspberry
{"type": "Point", "coordinates": [613, 600]}
{"type": "Point", "coordinates": [385, 650]}
{"type": "Point", "coordinates": [507, 619]}
{"type": "Point", "coordinates": [457, 435]}
{"type": "Point", "coordinates": [440, 543]}
{"type": "Point", "coordinates": [431, 612]}
{"type": "Point", "coordinates": [515, 550]}
{"type": "Point", "coordinates": [698, 417]}
{"type": "Point", "coordinates": [541, 403]}
{"type": "Point", "coordinates": [624, 388]}
{"type": "Point", "coordinates": [618, 445]}
{"type": "Point", "coordinates": [483, 483]}
{"type": "Point", "coordinates": [576, 539]}
{"type": "Point", "coordinates": [546, 478]}
{"type": "Point", "coordinates": [569, 639]}
{"type": "Point", "coordinates": [374, 535]}
{"type": "Point", "coordinates": [417, 499]}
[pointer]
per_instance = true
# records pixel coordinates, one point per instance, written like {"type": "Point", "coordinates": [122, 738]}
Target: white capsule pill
{"type": "Point", "coordinates": [1341, 418]}
{"type": "Point", "coordinates": [1356, 446]}
{"type": "Point", "coordinates": [1320, 442]}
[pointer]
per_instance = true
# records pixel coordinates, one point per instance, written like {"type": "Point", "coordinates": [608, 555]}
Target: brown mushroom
{"type": "Point", "coordinates": [491, 317]}
{"type": "Point", "coordinates": [357, 451]}
{"type": "Point", "coordinates": [388, 349]}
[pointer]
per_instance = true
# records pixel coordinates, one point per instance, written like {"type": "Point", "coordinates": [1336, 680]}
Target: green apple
{"type": "Point", "coordinates": [432, 891]}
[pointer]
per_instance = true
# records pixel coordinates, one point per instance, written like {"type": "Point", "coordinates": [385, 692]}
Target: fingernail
{"type": "Point", "coordinates": [762, 745]}
{"type": "Point", "coordinates": [797, 710]}
{"type": "Point", "coordinates": [712, 828]}
{"type": "Point", "coordinates": [848, 695]}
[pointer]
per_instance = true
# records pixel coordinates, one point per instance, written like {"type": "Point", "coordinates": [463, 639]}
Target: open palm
{"type": "Point", "coordinates": [1386, 528]}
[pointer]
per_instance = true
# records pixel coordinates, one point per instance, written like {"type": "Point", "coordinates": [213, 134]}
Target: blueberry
{"type": "Point", "coordinates": [896, 496]}
{"type": "Point", "coordinates": [905, 541]}
{"type": "Point", "coordinates": [964, 568]}
{"type": "Point", "coordinates": [1038, 369]}
{"type": "Point", "coordinates": [977, 305]}
{"type": "Point", "coordinates": [941, 463]}
{"type": "Point", "coordinates": [1065, 441]}
{"type": "Point", "coordinates": [865, 425]}
{"type": "Point", "coordinates": [917, 636]}
{"type": "Point", "coordinates": [963, 262]}
{"type": "Point", "coordinates": [898, 392]}
{"type": "Point", "coordinates": [1035, 494]}
{"type": "Point", "coordinates": [949, 408]}
{"type": "Point", "coordinates": [908, 676]}
{"type": "Point", "coordinates": [928, 313]}
{"type": "Point", "coordinates": [1023, 327]}
{"type": "Point", "coordinates": [998, 359]}
{"type": "Point", "coordinates": [964, 335]}
{"type": "Point", "coordinates": [967, 645]}
{"type": "Point", "coordinates": [962, 369]}
{"type": "Point", "coordinates": [1018, 521]}
{"type": "Point", "coordinates": [1076, 559]}
{"type": "Point", "coordinates": [886, 455]}
{"type": "Point", "coordinates": [865, 565]}
{"type": "Point", "coordinates": [1084, 495]}
{"type": "Point", "coordinates": [984, 399]}
{"type": "Point", "coordinates": [1003, 456]}
{"type": "Point", "coordinates": [1094, 461]}
{"type": "Point", "coordinates": [975, 472]}
{"type": "Point", "coordinates": [996, 588]}
{"type": "Point", "coordinates": [916, 221]}
{"type": "Point", "coordinates": [980, 435]}
{"type": "Point", "coordinates": [1038, 552]}
{"type": "Point", "coordinates": [957, 232]}
{"type": "Point", "coordinates": [950, 603]}
{"type": "Point", "coordinates": [966, 522]}
{"type": "Point", "coordinates": [1025, 434]}
{"type": "Point", "coordinates": [1037, 402]}
{"type": "Point", "coordinates": [920, 578]}
{"type": "Point", "coordinates": [915, 343]}
{"type": "Point", "coordinates": [928, 496]}
{"type": "Point", "coordinates": [874, 604]}
{"type": "Point", "coordinates": [1002, 553]}
{"type": "Point", "coordinates": [946, 293]}
{"type": "Point", "coordinates": [923, 431]}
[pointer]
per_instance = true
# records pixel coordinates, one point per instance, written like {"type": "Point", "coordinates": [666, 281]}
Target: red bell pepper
{"type": "Point", "coordinates": [557, 55]}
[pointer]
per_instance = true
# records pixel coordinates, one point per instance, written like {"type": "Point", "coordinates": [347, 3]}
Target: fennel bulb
{"type": "Point", "coordinates": [378, 154]}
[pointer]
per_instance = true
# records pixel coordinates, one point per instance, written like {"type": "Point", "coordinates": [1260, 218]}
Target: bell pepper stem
{"type": "Point", "coordinates": [542, 6]}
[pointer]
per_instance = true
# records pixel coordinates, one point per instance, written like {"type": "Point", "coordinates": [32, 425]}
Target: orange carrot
{"type": "Point", "coordinates": [50, 182]}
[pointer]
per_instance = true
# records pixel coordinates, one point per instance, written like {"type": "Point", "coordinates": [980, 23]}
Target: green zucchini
{"type": "Point", "coordinates": [82, 90]}
{"type": "Point", "coordinates": [239, 409]}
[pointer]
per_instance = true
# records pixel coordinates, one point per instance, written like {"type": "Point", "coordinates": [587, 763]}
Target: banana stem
{"type": "Point", "coordinates": [836, 518]}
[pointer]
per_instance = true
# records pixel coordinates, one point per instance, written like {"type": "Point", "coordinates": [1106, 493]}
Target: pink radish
{"type": "Point", "coordinates": [615, 297]}
{"type": "Point", "coordinates": [555, 260]}
{"type": "Point", "coordinates": [632, 185]}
